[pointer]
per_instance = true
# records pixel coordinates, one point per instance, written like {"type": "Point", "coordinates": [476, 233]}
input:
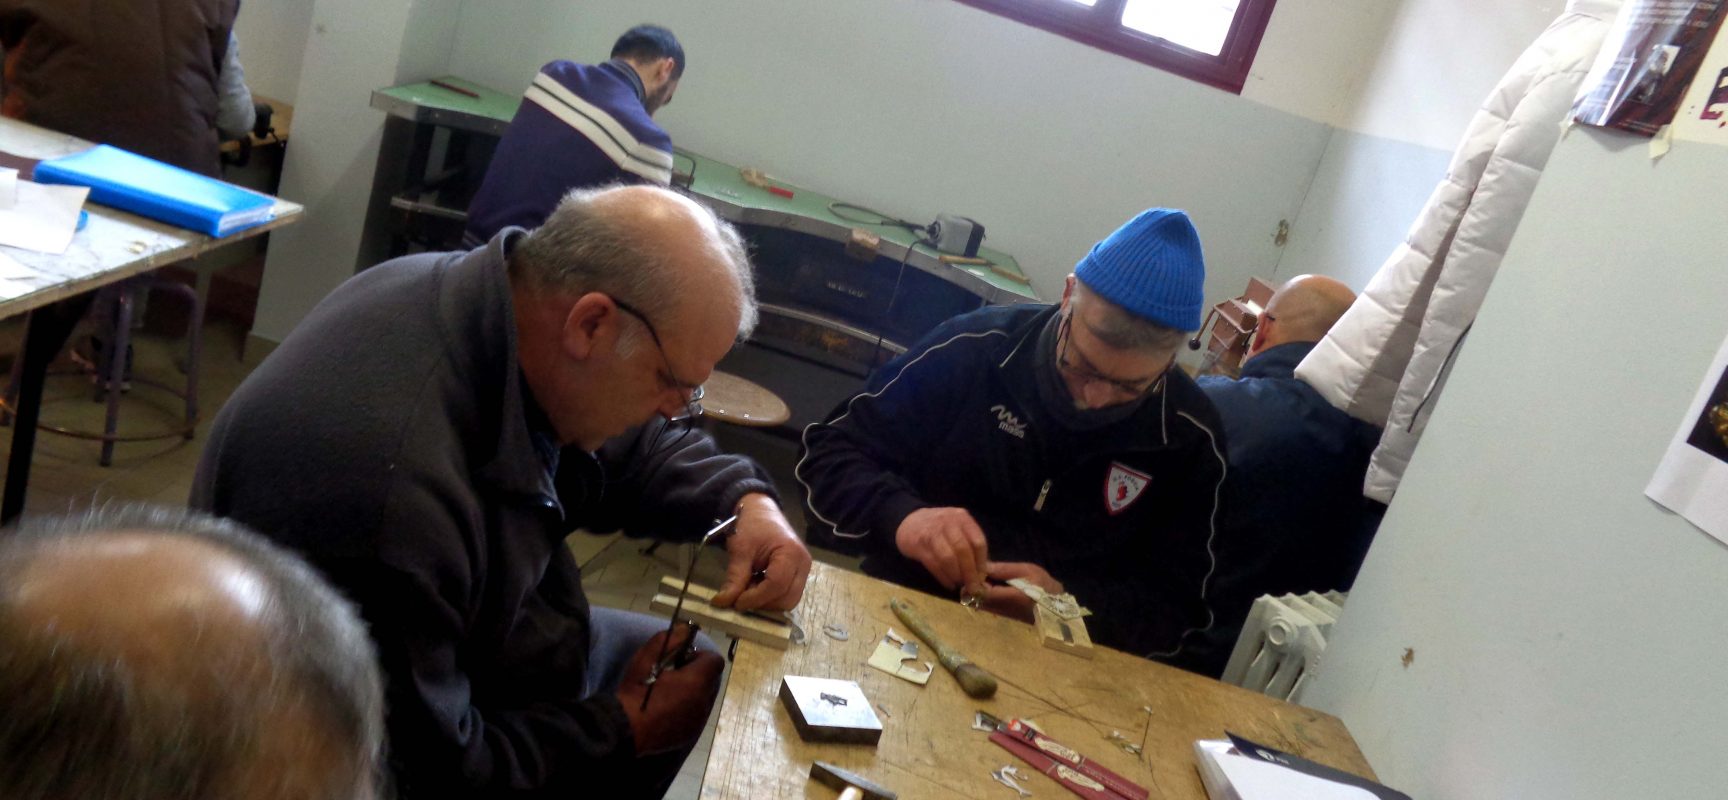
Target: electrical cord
{"type": "Point", "coordinates": [888, 314]}
{"type": "Point", "coordinates": [881, 219]}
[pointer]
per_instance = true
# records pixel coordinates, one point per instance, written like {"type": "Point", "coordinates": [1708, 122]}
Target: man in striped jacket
{"type": "Point", "coordinates": [1052, 443]}
{"type": "Point", "coordinates": [582, 125]}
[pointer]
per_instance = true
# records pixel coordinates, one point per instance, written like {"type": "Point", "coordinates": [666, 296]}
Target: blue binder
{"type": "Point", "coordinates": [150, 188]}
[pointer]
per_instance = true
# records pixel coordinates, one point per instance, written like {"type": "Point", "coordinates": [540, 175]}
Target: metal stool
{"type": "Point", "coordinates": [114, 307]}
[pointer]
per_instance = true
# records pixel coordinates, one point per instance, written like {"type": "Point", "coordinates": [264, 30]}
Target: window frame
{"type": "Point", "coordinates": [1100, 26]}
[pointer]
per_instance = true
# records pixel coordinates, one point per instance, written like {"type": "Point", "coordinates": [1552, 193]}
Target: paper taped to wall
{"type": "Point", "coordinates": [1692, 479]}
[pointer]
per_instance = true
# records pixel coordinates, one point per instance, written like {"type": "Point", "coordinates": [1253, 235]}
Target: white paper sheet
{"type": "Point", "coordinates": [1253, 779]}
{"type": "Point", "coordinates": [44, 218]}
{"type": "Point", "coordinates": [1692, 479]}
{"type": "Point", "coordinates": [12, 269]}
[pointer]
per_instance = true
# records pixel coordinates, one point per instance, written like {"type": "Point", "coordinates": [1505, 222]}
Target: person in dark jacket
{"type": "Point", "coordinates": [582, 125]}
{"type": "Point", "coordinates": [1295, 519]}
{"type": "Point", "coordinates": [159, 79]}
{"type": "Point", "coordinates": [436, 426]}
{"type": "Point", "coordinates": [1051, 443]}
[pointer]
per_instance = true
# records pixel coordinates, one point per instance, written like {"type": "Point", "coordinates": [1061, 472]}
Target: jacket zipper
{"type": "Point", "coordinates": [1042, 493]}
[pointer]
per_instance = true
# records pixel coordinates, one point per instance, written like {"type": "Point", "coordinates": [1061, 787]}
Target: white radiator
{"type": "Point", "coordinates": [1279, 649]}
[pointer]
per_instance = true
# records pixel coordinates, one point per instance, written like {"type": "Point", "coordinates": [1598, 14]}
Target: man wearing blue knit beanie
{"type": "Point", "coordinates": [1052, 443]}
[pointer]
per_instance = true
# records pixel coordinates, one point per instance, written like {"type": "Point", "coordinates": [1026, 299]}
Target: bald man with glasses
{"type": "Point", "coordinates": [433, 430]}
{"type": "Point", "coordinates": [1057, 444]}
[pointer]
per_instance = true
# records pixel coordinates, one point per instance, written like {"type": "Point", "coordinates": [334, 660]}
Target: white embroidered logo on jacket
{"type": "Point", "coordinates": [1123, 486]}
{"type": "Point", "coordinates": [1008, 423]}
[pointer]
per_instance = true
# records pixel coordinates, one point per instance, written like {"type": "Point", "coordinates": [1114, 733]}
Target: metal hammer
{"type": "Point", "coordinates": [852, 786]}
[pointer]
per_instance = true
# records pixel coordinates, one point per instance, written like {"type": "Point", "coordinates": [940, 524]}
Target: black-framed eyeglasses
{"type": "Point", "coordinates": [1086, 374]}
{"type": "Point", "coordinates": [691, 392]}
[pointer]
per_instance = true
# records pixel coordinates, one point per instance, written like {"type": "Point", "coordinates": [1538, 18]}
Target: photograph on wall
{"type": "Point", "coordinates": [1692, 479]}
{"type": "Point", "coordinates": [1710, 431]}
{"type": "Point", "coordinates": [1647, 64]}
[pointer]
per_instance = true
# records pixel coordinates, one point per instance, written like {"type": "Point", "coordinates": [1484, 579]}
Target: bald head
{"type": "Point", "coordinates": [1302, 310]}
{"type": "Point", "coordinates": [655, 249]}
{"type": "Point", "coordinates": [157, 653]}
{"type": "Point", "coordinates": [624, 301]}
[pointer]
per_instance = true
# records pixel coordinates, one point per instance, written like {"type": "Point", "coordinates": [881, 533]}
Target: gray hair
{"type": "Point", "coordinates": [81, 722]}
{"type": "Point", "coordinates": [1120, 329]}
{"type": "Point", "coordinates": [582, 248]}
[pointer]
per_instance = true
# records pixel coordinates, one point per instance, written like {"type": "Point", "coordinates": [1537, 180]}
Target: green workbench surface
{"type": "Point", "coordinates": [719, 183]}
{"type": "Point", "coordinates": [808, 211]}
{"type": "Point", "coordinates": [423, 102]}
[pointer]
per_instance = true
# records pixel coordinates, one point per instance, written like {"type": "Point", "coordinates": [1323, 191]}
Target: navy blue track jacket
{"type": "Point", "coordinates": [1122, 515]}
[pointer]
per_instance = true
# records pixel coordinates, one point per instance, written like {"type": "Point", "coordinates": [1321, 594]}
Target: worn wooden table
{"type": "Point", "coordinates": [928, 747]}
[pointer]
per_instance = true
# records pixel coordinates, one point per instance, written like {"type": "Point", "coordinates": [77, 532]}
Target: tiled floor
{"type": "Point", "coordinates": [65, 476]}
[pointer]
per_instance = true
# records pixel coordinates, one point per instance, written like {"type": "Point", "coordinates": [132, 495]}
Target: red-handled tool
{"type": "Point", "coordinates": [1076, 773]}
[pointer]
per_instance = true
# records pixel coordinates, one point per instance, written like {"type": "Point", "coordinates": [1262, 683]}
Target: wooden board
{"type": "Point", "coordinates": [928, 748]}
{"type": "Point", "coordinates": [777, 635]}
{"type": "Point", "coordinates": [1076, 641]}
{"type": "Point", "coordinates": [672, 586]}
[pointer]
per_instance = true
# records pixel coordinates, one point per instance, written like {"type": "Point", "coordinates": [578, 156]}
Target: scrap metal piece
{"type": "Point", "coordinates": [1128, 746]}
{"type": "Point", "coordinates": [1062, 605]}
{"type": "Point", "coordinates": [1010, 776]}
{"type": "Point", "coordinates": [836, 632]}
{"type": "Point", "coordinates": [983, 721]}
{"type": "Point", "coordinates": [833, 698]}
{"type": "Point", "coordinates": [893, 659]}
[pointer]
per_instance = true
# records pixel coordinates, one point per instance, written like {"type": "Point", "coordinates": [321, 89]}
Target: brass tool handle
{"type": "Point", "coordinates": [907, 614]}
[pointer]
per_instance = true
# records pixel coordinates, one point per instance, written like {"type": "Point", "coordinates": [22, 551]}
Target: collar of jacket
{"type": "Point", "coordinates": [1016, 364]}
{"type": "Point", "coordinates": [474, 304]}
{"type": "Point", "coordinates": [629, 75]}
{"type": "Point", "coordinates": [1277, 362]}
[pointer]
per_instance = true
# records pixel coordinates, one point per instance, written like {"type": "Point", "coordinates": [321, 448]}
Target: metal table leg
{"type": "Point", "coordinates": [47, 332]}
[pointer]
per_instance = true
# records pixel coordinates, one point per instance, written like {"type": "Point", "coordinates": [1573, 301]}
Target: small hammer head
{"type": "Point", "coordinates": [836, 778]}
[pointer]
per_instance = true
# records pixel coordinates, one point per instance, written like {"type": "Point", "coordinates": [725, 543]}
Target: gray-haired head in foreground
{"type": "Point", "coordinates": [586, 245]}
{"type": "Point", "coordinates": [78, 719]}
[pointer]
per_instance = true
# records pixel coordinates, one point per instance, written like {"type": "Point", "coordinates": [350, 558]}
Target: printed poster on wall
{"type": "Point", "coordinates": [1703, 115]}
{"type": "Point", "coordinates": [1647, 64]}
{"type": "Point", "coordinates": [1692, 479]}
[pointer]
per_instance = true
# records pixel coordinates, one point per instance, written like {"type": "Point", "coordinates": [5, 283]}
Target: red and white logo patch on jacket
{"type": "Point", "coordinates": [1123, 486]}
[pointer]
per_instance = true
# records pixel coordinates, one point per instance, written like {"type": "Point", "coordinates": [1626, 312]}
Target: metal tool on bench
{"type": "Point", "coordinates": [661, 663]}
{"type": "Point", "coordinates": [830, 710]}
{"type": "Point", "coordinates": [852, 786]}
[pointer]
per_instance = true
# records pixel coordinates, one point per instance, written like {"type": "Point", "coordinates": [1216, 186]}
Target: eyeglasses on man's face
{"type": "Point", "coordinates": [1080, 367]}
{"type": "Point", "coordinates": [691, 392]}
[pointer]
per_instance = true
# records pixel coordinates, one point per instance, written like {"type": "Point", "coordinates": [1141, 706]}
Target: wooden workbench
{"type": "Point", "coordinates": [928, 747]}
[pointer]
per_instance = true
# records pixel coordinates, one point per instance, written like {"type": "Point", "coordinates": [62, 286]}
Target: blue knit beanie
{"type": "Point", "coordinates": [1152, 267]}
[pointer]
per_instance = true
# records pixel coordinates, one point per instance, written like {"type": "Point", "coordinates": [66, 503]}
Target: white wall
{"type": "Point", "coordinates": [920, 106]}
{"type": "Point", "coordinates": [1435, 62]}
{"type": "Point", "coordinates": [353, 48]}
{"type": "Point", "coordinates": [1311, 61]}
{"type": "Point", "coordinates": [272, 36]}
{"type": "Point", "coordinates": [1360, 205]}
{"type": "Point", "coordinates": [1567, 633]}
